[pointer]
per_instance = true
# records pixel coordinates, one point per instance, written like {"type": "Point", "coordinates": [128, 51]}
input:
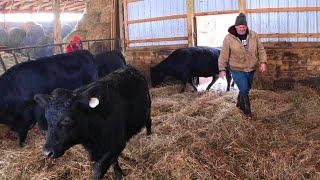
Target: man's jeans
{"type": "Point", "coordinates": [243, 81]}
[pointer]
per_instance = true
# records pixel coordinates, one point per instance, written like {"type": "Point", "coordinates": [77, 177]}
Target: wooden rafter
{"type": "Point", "coordinates": [34, 6]}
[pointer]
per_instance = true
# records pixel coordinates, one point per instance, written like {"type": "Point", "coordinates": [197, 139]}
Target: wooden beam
{"type": "Point", "coordinates": [162, 47]}
{"type": "Point", "coordinates": [157, 18]}
{"type": "Point", "coordinates": [125, 23]}
{"type": "Point", "coordinates": [28, 6]}
{"type": "Point", "coordinates": [190, 22]}
{"type": "Point", "coordinates": [158, 39]}
{"type": "Point", "coordinates": [290, 35]}
{"type": "Point", "coordinates": [57, 25]}
{"type": "Point", "coordinates": [290, 9]}
{"type": "Point", "coordinates": [242, 6]}
{"type": "Point", "coordinates": [121, 25]}
{"type": "Point", "coordinates": [131, 1]}
{"type": "Point", "coordinates": [216, 12]}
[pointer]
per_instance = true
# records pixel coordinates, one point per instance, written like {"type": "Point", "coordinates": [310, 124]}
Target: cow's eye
{"type": "Point", "coordinates": [66, 121]}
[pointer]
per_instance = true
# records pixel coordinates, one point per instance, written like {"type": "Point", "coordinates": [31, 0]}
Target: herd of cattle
{"type": "Point", "coordinates": [94, 100]}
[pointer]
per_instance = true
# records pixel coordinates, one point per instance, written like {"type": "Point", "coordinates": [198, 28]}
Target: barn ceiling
{"type": "Point", "coordinates": [38, 6]}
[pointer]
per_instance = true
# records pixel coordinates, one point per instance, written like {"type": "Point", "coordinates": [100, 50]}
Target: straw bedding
{"type": "Point", "coordinates": [197, 136]}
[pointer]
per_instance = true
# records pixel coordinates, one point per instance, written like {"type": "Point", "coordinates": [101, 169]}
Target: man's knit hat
{"type": "Point", "coordinates": [241, 20]}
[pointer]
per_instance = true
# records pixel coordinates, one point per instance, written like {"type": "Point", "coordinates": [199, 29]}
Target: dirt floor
{"type": "Point", "coordinates": [196, 136]}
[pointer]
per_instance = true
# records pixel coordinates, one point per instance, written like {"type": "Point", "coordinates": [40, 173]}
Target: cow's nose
{"type": "Point", "coordinates": [48, 153]}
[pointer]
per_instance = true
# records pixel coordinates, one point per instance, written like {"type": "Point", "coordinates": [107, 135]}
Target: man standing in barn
{"type": "Point", "coordinates": [243, 51]}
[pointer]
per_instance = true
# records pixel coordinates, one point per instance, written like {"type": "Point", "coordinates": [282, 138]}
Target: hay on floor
{"type": "Point", "coordinates": [197, 136]}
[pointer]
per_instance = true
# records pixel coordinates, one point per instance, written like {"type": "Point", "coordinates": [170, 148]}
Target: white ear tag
{"type": "Point", "coordinates": [94, 102]}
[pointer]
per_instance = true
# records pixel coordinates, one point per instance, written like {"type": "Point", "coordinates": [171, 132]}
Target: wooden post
{"type": "Point", "coordinates": [125, 24]}
{"type": "Point", "coordinates": [121, 21]}
{"type": "Point", "coordinates": [57, 25]}
{"type": "Point", "coordinates": [242, 6]}
{"type": "Point", "coordinates": [190, 22]}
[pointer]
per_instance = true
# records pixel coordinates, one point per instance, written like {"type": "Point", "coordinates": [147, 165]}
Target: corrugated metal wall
{"type": "Point", "coordinates": [157, 29]}
{"type": "Point", "coordinates": [215, 5]}
{"type": "Point", "coordinates": [278, 22]}
{"type": "Point", "coordinates": [284, 22]}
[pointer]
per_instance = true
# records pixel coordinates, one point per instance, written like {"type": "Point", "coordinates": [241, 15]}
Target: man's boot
{"type": "Point", "coordinates": [240, 103]}
{"type": "Point", "coordinates": [247, 107]}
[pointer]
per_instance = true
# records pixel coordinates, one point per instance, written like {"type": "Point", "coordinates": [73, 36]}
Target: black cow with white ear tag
{"type": "Point", "coordinates": [101, 116]}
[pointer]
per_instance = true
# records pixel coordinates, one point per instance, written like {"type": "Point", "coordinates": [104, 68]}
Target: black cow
{"type": "Point", "coordinates": [106, 62]}
{"type": "Point", "coordinates": [21, 82]}
{"type": "Point", "coordinates": [101, 116]}
{"type": "Point", "coordinates": [187, 63]}
{"type": "Point", "coordinates": [109, 61]}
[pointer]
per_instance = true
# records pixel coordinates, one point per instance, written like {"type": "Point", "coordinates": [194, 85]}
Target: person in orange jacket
{"type": "Point", "coordinates": [74, 45]}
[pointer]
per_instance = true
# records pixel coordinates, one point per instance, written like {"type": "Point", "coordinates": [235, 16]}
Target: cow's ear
{"type": "Point", "coordinates": [92, 97]}
{"type": "Point", "coordinates": [42, 99]}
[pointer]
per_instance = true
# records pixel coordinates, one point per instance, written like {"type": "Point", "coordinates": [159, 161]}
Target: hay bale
{"type": "Point", "coordinates": [88, 21]}
{"type": "Point", "coordinates": [3, 38]}
{"type": "Point", "coordinates": [105, 16]}
{"type": "Point", "coordinates": [97, 5]}
{"type": "Point", "coordinates": [36, 36]}
{"type": "Point", "coordinates": [16, 37]}
{"type": "Point", "coordinates": [99, 31]}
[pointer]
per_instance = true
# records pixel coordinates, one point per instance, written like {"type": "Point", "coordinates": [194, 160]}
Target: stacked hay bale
{"type": "Point", "coordinates": [95, 24]}
{"type": "Point", "coordinates": [16, 37]}
{"type": "Point", "coordinates": [3, 37]}
{"type": "Point", "coordinates": [36, 36]}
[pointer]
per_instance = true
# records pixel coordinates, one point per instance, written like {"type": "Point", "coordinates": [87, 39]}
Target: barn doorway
{"type": "Point", "coordinates": [211, 30]}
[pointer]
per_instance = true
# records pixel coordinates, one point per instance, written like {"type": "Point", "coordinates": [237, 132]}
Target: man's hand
{"type": "Point", "coordinates": [263, 67]}
{"type": "Point", "coordinates": [222, 74]}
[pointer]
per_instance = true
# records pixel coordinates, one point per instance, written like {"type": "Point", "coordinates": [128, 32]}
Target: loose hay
{"type": "Point", "coordinates": [198, 136]}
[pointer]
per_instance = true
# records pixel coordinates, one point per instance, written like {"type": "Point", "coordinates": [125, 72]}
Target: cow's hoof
{"type": "Point", "coordinates": [22, 144]}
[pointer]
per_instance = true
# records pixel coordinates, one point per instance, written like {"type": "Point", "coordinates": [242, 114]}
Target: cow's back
{"type": "Point", "coordinates": [126, 86]}
{"type": "Point", "coordinates": [108, 62]}
{"type": "Point", "coordinates": [70, 70]}
{"type": "Point", "coordinates": [195, 61]}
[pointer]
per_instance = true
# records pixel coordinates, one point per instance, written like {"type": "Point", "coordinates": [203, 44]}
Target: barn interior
{"type": "Point", "coordinates": [196, 135]}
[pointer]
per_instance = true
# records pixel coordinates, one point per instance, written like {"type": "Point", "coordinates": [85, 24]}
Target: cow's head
{"type": "Point", "coordinates": [157, 76]}
{"type": "Point", "coordinates": [68, 115]}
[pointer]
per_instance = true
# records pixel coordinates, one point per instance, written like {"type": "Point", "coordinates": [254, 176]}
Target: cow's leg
{"type": "Point", "coordinates": [185, 79]}
{"type": "Point", "coordinates": [195, 81]}
{"type": "Point", "coordinates": [117, 170]}
{"type": "Point", "coordinates": [148, 120]}
{"type": "Point", "coordinates": [228, 76]}
{"type": "Point", "coordinates": [22, 135]}
{"type": "Point", "coordinates": [100, 167]}
{"type": "Point", "coordinates": [214, 79]}
{"type": "Point", "coordinates": [184, 85]}
{"type": "Point", "coordinates": [192, 84]}
{"type": "Point", "coordinates": [148, 126]}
